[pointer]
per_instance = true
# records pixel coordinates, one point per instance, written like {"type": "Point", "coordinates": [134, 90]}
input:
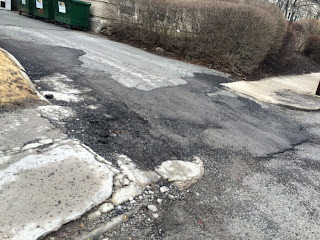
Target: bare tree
{"type": "Point", "coordinates": [295, 9]}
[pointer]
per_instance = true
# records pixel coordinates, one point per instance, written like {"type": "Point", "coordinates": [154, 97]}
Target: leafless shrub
{"type": "Point", "coordinates": [288, 47]}
{"type": "Point", "coordinates": [312, 47]}
{"type": "Point", "coordinates": [232, 34]}
{"type": "Point", "coordinates": [310, 27]}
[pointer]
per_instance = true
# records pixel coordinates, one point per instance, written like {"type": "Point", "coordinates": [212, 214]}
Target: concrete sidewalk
{"type": "Point", "coordinates": [46, 179]}
{"type": "Point", "coordinates": [295, 92]}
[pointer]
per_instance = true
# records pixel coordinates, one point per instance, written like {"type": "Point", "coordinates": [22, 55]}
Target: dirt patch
{"type": "Point", "coordinates": [14, 89]}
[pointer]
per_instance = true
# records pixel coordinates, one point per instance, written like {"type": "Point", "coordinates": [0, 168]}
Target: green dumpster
{"type": "Point", "coordinates": [26, 6]}
{"type": "Point", "coordinates": [43, 9]}
{"type": "Point", "coordinates": [72, 12]}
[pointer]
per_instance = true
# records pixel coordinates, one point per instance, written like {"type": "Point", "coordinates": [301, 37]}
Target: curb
{"type": "Point", "coordinates": [13, 59]}
{"type": "Point", "coordinates": [114, 222]}
{"type": "Point", "coordinates": [24, 75]}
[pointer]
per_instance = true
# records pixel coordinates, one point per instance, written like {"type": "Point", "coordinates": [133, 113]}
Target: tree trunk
{"type": "Point", "coordinates": [286, 9]}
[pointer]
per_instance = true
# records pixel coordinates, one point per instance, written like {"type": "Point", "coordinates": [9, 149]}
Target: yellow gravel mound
{"type": "Point", "coordinates": [14, 89]}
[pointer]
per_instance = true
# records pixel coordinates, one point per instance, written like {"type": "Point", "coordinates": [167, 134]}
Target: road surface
{"type": "Point", "coordinates": [261, 160]}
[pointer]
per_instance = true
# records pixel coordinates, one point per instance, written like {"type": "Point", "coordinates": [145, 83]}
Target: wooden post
{"type": "Point", "coordinates": [318, 90]}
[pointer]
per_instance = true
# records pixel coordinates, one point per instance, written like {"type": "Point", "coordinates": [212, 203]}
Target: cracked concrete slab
{"type": "Point", "coordinates": [296, 92]}
{"type": "Point", "coordinates": [45, 181]}
{"type": "Point", "coordinates": [24, 127]}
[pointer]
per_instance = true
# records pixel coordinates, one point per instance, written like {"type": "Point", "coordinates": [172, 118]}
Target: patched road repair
{"type": "Point", "coordinates": [172, 150]}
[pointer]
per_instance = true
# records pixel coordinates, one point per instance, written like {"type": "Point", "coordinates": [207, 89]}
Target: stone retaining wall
{"type": "Point", "coordinates": [102, 14]}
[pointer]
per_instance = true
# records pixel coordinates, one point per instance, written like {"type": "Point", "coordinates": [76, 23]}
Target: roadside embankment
{"type": "Point", "coordinates": [15, 86]}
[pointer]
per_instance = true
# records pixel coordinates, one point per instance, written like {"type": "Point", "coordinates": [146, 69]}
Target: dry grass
{"type": "Point", "coordinates": [14, 89]}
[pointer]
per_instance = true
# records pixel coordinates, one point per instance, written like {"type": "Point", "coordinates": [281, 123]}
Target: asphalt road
{"type": "Point", "coordinates": [261, 160]}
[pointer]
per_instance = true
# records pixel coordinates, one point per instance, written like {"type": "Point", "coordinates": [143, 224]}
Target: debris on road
{"type": "Point", "coordinates": [110, 225]}
{"type": "Point", "coordinates": [124, 194]}
{"type": "Point", "coordinates": [183, 174]}
{"type": "Point", "coordinates": [136, 175]}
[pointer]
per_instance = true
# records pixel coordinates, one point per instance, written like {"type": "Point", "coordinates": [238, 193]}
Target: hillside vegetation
{"type": "Point", "coordinates": [235, 35]}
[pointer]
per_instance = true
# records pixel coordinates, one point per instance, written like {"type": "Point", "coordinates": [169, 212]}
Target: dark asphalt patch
{"type": "Point", "coordinates": [170, 129]}
{"type": "Point", "coordinates": [212, 80]}
{"type": "Point", "coordinates": [42, 60]}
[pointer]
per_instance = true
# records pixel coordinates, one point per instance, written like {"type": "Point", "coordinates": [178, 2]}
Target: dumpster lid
{"type": "Point", "coordinates": [81, 2]}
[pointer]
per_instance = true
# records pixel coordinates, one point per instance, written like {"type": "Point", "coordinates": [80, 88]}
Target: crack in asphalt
{"type": "Point", "coordinates": [271, 155]}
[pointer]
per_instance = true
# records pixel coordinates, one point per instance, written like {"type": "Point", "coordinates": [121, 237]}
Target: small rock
{"type": "Point", "coordinates": [164, 189]}
{"type": "Point", "coordinates": [160, 50]}
{"type": "Point", "coordinates": [122, 195]}
{"type": "Point", "coordinates": [126, 182]}
{"type": "Point", "coordinates": [155, 215]}
{"type": "Point", "coordinates": [159, 201]}
{"type": "Point", "coordinates": [119, 177]}
{"type": "Point", "coordinates": [130, 198]}
{"type": "Point", "coordinates": [171, 197]}
{"type": "Point", "coordinates": [136, 175]}
{"type": "Point", "coordinates": [49, 96]}
{"type": "Point", "coordinates": [151, 192]}
{"type": "Point", "coordinates": [182, 174]}
{"type": "Point", "coordinates": [117, 184]}
{"type": "Point", "coordinates": [109, 116]}
{"type": "Point", "coordinates": [117, 181]}
{"type": "Point", "coordinates": [106, 207]}
{"type": "Point", "coordinates": [94, 215]}
{"type": "Point", "coordinates": [152, 208]}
